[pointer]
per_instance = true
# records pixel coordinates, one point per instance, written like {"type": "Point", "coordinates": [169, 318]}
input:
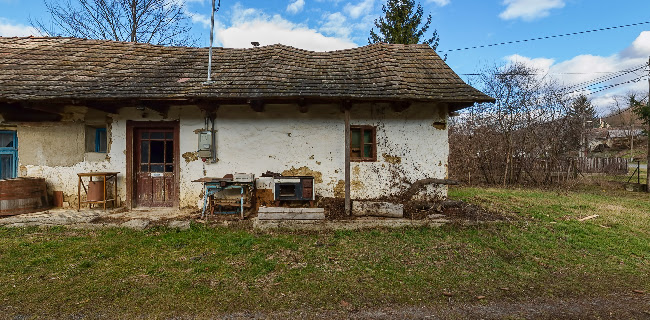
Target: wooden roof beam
{"type": "Point", "coordinates": [400, 106]}
{"type": "Point", "coordinates": [256, 104]}
{"type": "Point", "coordinates": [303, 106]}
{"type": "Point", "coordinates": [15, 112]}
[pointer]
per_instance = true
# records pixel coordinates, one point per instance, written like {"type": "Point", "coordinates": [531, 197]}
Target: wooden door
{"type": "Point", "coordinates": [155, 167]}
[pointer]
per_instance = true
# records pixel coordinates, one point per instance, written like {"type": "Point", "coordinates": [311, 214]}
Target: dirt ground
{"type": "Point", "coordinates": [614, 306]}
{"type": "Point", "coordinates": [453, 210]}
{"type": "Point", "coordinates": [628, 306]}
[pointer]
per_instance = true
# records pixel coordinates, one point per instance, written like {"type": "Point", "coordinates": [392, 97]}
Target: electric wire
{"type": "Point", "coordinates": [547, 37]}
{"type": "Point", "coordinates": [616, 85]}
{"type": "Point", "coordinates": [603, 79]}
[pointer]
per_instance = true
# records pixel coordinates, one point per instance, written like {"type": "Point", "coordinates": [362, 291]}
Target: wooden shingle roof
{"type": "Point", "coordinates": [72, 68]}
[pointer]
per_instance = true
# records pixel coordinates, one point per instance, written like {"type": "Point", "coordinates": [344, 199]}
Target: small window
{"type": "Point", "coordinates": [96, 139]}
{"type": "Point", "coordinates": [100, 140]}
{"type": "Point", "coordinates": [8, 154]}
{"type": "Point", "coordinates": [363, 143]}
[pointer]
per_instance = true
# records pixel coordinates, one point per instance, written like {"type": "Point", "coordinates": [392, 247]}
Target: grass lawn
{"type": "Point", "coordinates": [543, 251]}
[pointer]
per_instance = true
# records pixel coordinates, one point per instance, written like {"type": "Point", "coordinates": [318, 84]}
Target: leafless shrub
{"type": "Point", "coordinates": [525, 137]}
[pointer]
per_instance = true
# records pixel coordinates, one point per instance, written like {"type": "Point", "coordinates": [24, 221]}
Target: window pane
{"type": "Point", "coordinates": [144, 152]}
{"type": "Point", "coordinates": [157, 168]}
{"type": "Point", "coordinates": [6, 166]}
{"type": "Point", "coordinates": [6, 140]}
{"type": "Point", "coordinates": [169, 168]}
{"type": "Point", "coordinates": [100, 140]}
{"type": "Point", "coordinates": [157, 135]}
{"type": "Point", "coordinates": [355, 138]}
{"type": "Point", "coordinates": [157, 154]}
{"type": "Point", "coordinates": [169, 136]}
{"type": "Point", "coordinates": [169, 151]}
{"type": "Point", "coordinates": [144, 168]}
{"type": "Point", "coordinates": [145, 135]}
{"type": "Point", "coordinates": [367, 151]}
{"type": "Point", "coordinates": [355, 154]}
{"type": "Point", "coordinates": [367, 136]}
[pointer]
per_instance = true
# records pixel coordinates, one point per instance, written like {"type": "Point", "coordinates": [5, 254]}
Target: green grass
{"type": "Point", "coordinates": [544, 251]}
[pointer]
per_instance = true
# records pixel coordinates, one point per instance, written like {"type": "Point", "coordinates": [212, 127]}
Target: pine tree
{"type": "Point", "coordinates": [401, 24]}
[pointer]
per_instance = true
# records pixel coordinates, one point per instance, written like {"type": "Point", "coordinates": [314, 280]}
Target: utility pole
{"type": "Point", "coordinates": [647, 176]}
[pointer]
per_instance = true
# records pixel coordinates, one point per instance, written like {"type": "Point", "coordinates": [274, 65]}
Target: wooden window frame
{"type": "Point", "coordinates": [12, 151]}
{"type": "Point", "coordinates": [364, 128]}
{"type": "Point", "coordinates": [98, 140]}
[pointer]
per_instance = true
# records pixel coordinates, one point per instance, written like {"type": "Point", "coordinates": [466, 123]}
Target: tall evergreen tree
{"type": "Point", "coordinates": [402, 23]}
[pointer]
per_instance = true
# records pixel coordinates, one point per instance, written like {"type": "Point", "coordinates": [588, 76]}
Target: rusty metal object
{"type": "Point", "coordinates": [95, 191]}
{"type": "Point", "coordinates": [58, 198]}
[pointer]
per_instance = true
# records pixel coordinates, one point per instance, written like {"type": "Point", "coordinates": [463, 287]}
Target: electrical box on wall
{"type": "Point", "coordinates": [205, 144]}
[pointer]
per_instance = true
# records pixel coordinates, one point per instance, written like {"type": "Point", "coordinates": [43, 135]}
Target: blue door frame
{"type": "Point", "coordinates": [9, 156]}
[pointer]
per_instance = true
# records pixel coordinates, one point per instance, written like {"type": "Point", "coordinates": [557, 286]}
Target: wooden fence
{"type": "Point", "coordinates": [601, 165]}
{"type": "Point", "coordinates": [538, 171]}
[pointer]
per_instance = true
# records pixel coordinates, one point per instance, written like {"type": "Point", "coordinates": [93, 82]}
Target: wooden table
{"type": "Point", "coordinates": [106, 176]}
{"type": "Point", "coordinates": [211, 186]}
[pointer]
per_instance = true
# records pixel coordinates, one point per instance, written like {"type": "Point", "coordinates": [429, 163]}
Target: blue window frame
{"type": "Point", "coordinates": [8, 154]}
{"type": "Point", "coordinates": [100, 140]}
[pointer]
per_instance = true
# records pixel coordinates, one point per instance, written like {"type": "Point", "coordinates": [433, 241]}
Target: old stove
{"type": "Point", "coordinates": [293, 188]}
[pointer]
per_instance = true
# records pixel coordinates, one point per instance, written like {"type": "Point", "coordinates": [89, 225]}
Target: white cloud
{"type": "Point", "coordinates": [441, 3]}
{"type": "Point", "coordinates": [7, 29]}
{"type": "Point", "coordinates": [248, 24]}
{"type": "Point", "coordinates": [361, 8]}
{"type": "Point", "coordinates": [331, 2]}
{"type": "Point", "coordinates": [587, 69]}
{"type": "Point", "coordinates": [336, 24]}
{"type": "Point", "coordinates": [199, 18]}
{"type": "Point", "coordinates": [542, 64]}
{"type": "Point", "coordinates": [529, 9]}
{"type": "Point", "coordinates": [640, 48]}
{"type": "Point", "coordinates": [295, 6]}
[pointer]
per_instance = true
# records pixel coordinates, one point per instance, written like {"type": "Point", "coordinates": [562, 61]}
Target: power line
{"type": "Point", "coordinates": [541, 73]}
{"type": "Point", "coordinates": [548, 37]}
{"type": "Point", "coordinates": [592, 82]}
{"type": "Point", "coordinates": [617, 84]}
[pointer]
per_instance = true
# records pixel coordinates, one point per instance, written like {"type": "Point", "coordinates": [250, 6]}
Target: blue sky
{"type": "Point", "coordinates": [337, 24]}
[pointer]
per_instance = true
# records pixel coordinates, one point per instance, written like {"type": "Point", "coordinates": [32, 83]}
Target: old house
{"type": "Point", "coordinates": [69, 106]}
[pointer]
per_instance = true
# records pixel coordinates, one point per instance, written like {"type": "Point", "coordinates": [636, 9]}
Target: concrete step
{"type": "Point", "coordinates": [281, 213]}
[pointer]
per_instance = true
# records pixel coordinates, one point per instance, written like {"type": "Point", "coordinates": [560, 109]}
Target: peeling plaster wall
{"type": "Point", "coordinates": [411, 145]}
{"type": "Point", "coordinates": [51, 144]}
{"type": "Point", "coordinates": [56, 152]}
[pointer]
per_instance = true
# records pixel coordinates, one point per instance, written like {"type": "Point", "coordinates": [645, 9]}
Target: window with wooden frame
{"type": "Point", "coordinates": [363, 143]}
{"type": "Point", "coordinates": [8, 154]}
{"type": "Point", "coordinates": [96, 138]}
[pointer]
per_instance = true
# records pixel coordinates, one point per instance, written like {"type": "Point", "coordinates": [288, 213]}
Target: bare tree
{"type": "Point", "coordinates": [162, 22]}
{"type": "Point", "coordinates": [519, 138]}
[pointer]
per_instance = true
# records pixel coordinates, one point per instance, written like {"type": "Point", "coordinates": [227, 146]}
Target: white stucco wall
{"type": "Point", "coordinates": [411, 145]}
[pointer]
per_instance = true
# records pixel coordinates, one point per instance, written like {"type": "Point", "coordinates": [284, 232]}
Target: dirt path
{"type": "Point", "coordinates": [614, 306]}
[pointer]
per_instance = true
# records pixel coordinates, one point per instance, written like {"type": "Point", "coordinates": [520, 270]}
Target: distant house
{"type": "Point", "coordinates": [71, 105]}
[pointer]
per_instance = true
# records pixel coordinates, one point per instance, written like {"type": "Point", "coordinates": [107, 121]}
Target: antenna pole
{"type": "Point", "coordinates": [214, 9]}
